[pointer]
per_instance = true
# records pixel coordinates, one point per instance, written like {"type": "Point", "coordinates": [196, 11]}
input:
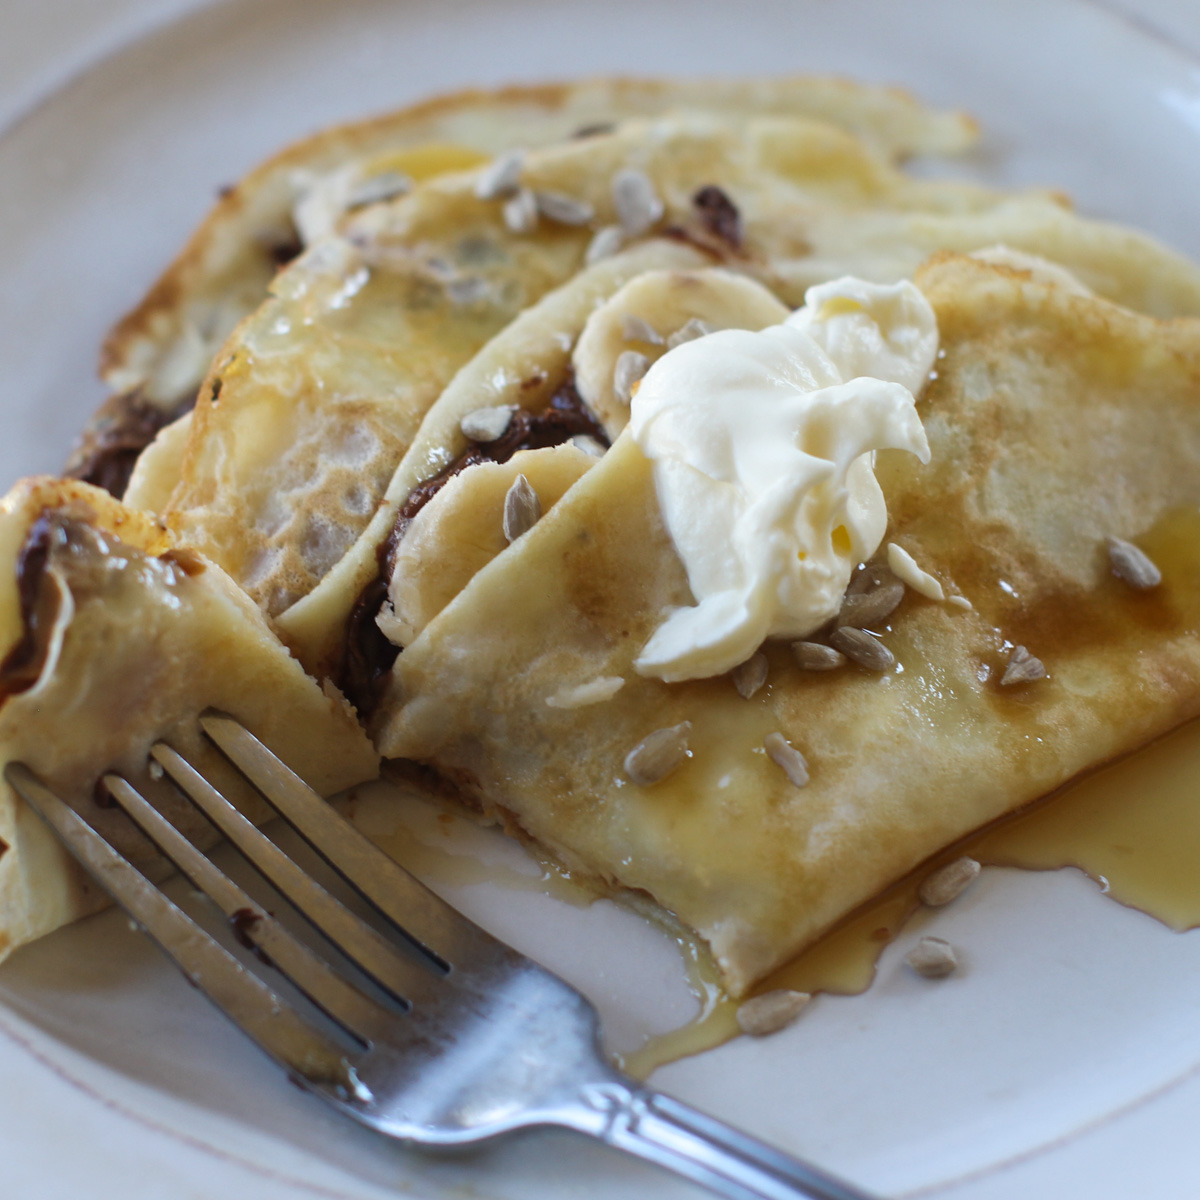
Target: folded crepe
{"type": "Point", "coordinates": [374, 445]}
{"type": "Point", "coordinates": [156, 357]}
{"type": "Point", "coordinates": [299, 454]}
{"type": "Point", "coordinates": [1056, 421]}
{"type": "Point", "coordinates": [112, 638]}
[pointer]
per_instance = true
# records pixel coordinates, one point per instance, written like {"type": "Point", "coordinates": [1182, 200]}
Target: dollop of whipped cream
{"type": "Point", "coordinates": [763, 450]}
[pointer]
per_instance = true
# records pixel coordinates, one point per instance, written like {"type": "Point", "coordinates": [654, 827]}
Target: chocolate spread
{"type": "Point", "coordinates": [368, 655]}
{"type": "Point", "coordinates": [122, 427]}
{"type": "Point", "coordinates": [22, 666]}
{"type": "Point", "coordinates": [719, 214]}
{"type": "Point", "coordinates": [242, 922]}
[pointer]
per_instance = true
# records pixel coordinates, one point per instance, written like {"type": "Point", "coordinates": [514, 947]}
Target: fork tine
{"type": "Point", "coordinates": [421, 916]}
{"type": "Point", "coordinates": [407, 981]}
{"type": "Point", "coordinates": [264, 1016]}
{"type": "Point", "coordinates": [253, 925]}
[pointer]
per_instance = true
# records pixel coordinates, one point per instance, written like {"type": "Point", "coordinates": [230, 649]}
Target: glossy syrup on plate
{"type": "Point", "coordinates": [1133, 827]}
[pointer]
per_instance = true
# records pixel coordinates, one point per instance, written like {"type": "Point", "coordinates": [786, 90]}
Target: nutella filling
{"type": "Point", "coordinates": [717, 229]}
{"type": "Point", "coordinates": [719, 214]}
{"type": "Point", "coordinates": [22, 666]}
{"type": "Point", "coordinates": [119, 431]}
{"type": "Point", "coordinates": [368, 655]}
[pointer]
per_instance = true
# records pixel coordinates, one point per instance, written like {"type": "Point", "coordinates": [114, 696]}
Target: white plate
{"type": "Point", "coordinates": [1065, 1057]}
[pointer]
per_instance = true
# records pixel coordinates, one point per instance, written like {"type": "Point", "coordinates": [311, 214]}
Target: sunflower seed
{"type": "Point", "coordinates": [522, 508]}
{"type": "Point", "coordinates": [564, 210]}
{"type": "Point", "coordinates": [867, 608]}
{"type": "Point", "coordinates": [862, 648]}
{"type": "Point", "coordinates": [905, 568]}
{"type": "Point", "coordinates": [467, 289]}
{"type": "Point", "coordinates": [949, 882]}
{"type": "Point", "coordinates": [521, 212]}
{"type": "Point", "coordinates": [781, 752]}
{"type": "Point", "coordinates": [816, 656]}
{"type": "Point", "coordinates": [589, 444]}
{"type": "Point", "coordinates": [658, 754]}
{"type": "Point", "coordinates": [606, 242]}
{"type": "Point", "coordinates": [1133, 565]}
{"type": "Point", "coordinates": [441, 269]}
{"type": "Point", "coordinates": [377, 189]}
{"type": "Point", "coordinates": [487, 424]}
{"type": "Point", "coordinates": [771, 1012]}
{"type": "Point", "coordinates": [870, 576]}
{"type": "Point", "coordinates": [630, 368]}
{"type": "Point", "coordinates": [750, 676]}
{"type": "Point", "coordinates": [595, 129]}
{"type": "Point", "coordinates": [501, 177]}
{"type": "Point", "coordinates": [637, 203]}
{"type": "Point", "coordinates": [932, 957]}
{"type": "Point", "coordinates": [1022, 668]}
{"type": "Point", "coordinates": [693, 329]}
{"type": "Point", "coordinates": [638, 329]}
{"type": "Point", "coordinates": [595, 691]}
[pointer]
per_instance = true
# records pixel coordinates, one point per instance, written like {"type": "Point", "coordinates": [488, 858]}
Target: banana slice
{"type": "Point", "coordinates": [668, 305]}
{"type": "Point", "coordinates": [462, 529]}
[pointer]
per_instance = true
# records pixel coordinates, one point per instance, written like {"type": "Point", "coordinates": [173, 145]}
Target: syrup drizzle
{"type": "Point", "coordinates": [1133, 827]}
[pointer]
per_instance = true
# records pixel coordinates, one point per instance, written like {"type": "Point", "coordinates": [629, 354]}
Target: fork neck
{"type": "Point", "coordinates": [631, 1117]}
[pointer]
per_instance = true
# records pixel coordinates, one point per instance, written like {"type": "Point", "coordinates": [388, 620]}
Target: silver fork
{"type": "Point", "coordinates": [488, 1041]}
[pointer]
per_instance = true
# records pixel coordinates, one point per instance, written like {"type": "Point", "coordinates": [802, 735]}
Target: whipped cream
{"type": "Point", "coordinates": [763, 449]}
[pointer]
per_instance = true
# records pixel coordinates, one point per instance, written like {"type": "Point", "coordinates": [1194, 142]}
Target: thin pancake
{"type": "Point", "coordinates": [163, 346]}
{"type": "Point", "coordinates": [111, 640]}
{"type": "Point", "coordinates": [1056, 421]}
{"type": "Point", "coordinates": [317, 398]}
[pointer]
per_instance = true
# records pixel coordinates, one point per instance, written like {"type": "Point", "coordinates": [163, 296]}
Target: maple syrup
{"type": "Point", "coordinates": [1133, 827]}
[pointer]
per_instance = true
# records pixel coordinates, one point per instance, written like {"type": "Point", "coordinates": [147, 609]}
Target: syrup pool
{"type": "Point", "coordinates": [1133, 827]}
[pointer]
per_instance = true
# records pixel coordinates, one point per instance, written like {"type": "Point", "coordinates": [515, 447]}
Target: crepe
{"type": "Point", "coordinates": [112, 638]}
{"type": "Point", "coordinates": [1057, 421]}
{"type": "Point", "coordinates": [156, 357]}
{"type": "Point", "coordinates": [335, 470]}
{"type": "Point", "coordinates": [285, 476]}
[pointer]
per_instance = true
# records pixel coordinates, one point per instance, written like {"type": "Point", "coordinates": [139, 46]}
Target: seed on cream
{"type": "Point", "coordinates": [763, 450]}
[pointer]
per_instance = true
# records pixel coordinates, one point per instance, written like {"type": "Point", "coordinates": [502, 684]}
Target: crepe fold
{"type": "Point", "coordinates": [337, 398]}
{"type": "Point", "coordinates": [162, 348]}
{"type": "Point", "coordinates": [286, 473]}
{"type": "Point", "coordinates": [1056, 421]}
{"type": "Point", "coordinates": [111, 639]}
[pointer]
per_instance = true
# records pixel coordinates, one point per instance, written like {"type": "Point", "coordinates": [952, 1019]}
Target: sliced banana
{"type": "Point", "coordinates": [462, 529]}
{"type": "Point", "coordinates": [665, 301]}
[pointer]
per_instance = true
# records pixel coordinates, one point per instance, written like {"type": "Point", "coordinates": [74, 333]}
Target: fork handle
{"type": "Point", "coordinates": [665, 1131]}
